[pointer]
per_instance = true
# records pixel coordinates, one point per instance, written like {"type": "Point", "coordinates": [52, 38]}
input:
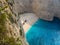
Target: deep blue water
{"type": "Point", "coordinates": [44, 33]}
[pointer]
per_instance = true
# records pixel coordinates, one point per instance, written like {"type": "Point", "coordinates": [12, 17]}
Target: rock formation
{"type": "Point", "coordinates": [10, 11]}
{"type": "Point", "coordinates": [10, 32]}
{"type": "Point", "coordinates": [45, 9]}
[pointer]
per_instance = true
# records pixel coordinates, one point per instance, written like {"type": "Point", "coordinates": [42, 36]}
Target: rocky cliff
{"type": "Point", "coordinates": [45, 9]}
{"type": "Point", "coordinates": [10, 32]}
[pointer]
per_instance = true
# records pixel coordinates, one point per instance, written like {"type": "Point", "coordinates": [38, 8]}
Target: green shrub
{"type": "Point", "coordinates": [4, 39]}
{"type": "Point", "coordinates": [11, 18]}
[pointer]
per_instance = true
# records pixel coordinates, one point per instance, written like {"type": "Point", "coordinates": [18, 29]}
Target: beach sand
{"type": "Point", "coordinates": [30, 20]}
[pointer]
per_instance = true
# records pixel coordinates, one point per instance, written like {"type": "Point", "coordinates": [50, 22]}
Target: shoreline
{"type": "Point", "coordinates": [31, 19]}
{"type": "Point", "coordinates": [30, 27]}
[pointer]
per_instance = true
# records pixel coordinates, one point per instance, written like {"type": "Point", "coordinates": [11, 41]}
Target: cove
{"type": "Point", "coordinates": [44, 33]}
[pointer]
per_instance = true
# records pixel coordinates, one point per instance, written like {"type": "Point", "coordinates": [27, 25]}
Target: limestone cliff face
{"type": "Point", "coordinates": [9, 23]}
{"type": "Point", "coordinates": [45, 9]}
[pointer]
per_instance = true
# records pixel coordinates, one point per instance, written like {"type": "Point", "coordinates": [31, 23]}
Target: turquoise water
{"type": "Point", "coordinates": [44, 33]}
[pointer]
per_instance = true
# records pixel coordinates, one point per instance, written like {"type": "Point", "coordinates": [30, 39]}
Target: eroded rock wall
{"type": "Point", "coordinates": [10, 22]}
{"type": "Point", "coordinates": [45, 9]}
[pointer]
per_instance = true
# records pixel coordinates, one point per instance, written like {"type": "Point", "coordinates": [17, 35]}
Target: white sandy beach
{"type": "Point", "coordinates": [31, 19]}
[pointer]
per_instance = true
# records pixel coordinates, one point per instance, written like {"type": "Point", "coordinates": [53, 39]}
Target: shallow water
{"type": "Point", "coordinates": [44, 33]}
